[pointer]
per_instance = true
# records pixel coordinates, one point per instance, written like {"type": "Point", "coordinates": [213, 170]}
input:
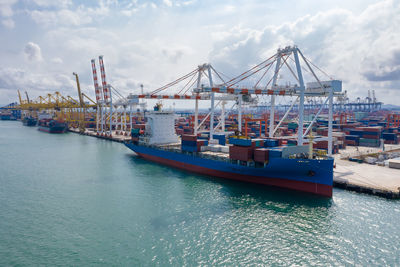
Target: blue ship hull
{"type": "Point", "coordinates": [29, 121]}
{"type": "Point", "coordinates": [306, 175]}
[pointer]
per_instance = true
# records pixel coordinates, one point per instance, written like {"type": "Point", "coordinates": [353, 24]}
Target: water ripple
{"type": "Point", "coordinates": [75, 200]}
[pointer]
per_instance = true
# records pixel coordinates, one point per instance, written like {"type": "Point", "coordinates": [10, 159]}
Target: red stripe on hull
{"type": "Point", "coordinates": [44, 130]}
{"type": "Point", "coordinates": [314, 188]}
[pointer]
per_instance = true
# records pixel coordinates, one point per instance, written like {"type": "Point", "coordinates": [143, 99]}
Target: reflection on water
{"type": "Point", "coordinates": [239, 189]}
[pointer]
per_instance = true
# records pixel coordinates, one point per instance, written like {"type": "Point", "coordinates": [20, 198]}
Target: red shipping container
{"type": "Point", "coordinates": [188, 131]}
{"type": "Point", "coordinates": [370, 136]}
{"type": "Point", "coordinates": [139, 126]}
{"type": "Point", "coordinates": [350, 142]}
{"type": "Point", "coordinates": [261, 154]}
{"type": "Point", "coordinates": [280, 142]}
{"type": "Point", "coordinates": [321, 144]}
{"type": "Point", "coordinates": [240, 153]}
{"type": "Point", "coordinates": [201, 142]}
{"type": "Point", "coordinates": [189, 137]}
{"type": "Point", "coordinates": [370, 129]}
{"type": "Point", "coordinates": [257, 143]}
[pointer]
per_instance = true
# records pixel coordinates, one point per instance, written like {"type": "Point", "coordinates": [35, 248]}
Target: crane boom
{"type": "Point", "coordinates": [20, 99]}
{"type": "Point", "coordinates": [79, 90]}
{"type": "Point", "coordinates": [27, 97]}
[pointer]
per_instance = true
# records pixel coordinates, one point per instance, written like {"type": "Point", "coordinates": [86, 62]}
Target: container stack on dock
{"type": "Point", "coordinates": [367, 136]}
{"type": "Point", "coordinates": [390, 138]}
{"type": "Point", "coordinates": [391, 135]}
{"type": "Point", "coordinates": [363, 129]}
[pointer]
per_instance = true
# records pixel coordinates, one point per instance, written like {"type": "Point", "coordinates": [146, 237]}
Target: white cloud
{"type": "Point", "coordinates": [188, 3]}
{"type": "Point", "coordinates": [362, 50]}
{"type": "Point", "coordinates": [6, 7]}
{"type": "Point", "coordinates": [167, 2]}
{"type": "Point", "coordinates": [40, 84]}
{"type": "Point", "coordinates": [33, 52]}
{"type": "Point", "coordinates": [57, 60]}
{"type": "Point", "coordinates": [56, 3]}
{"type": "Point", "coordinates": [143, 44]}
{"type": "Point", "coordinates": [129, 12]}
{"type": "Point", "coordinates": [8, 23]}
{"type": "Point", "coordinates": [61, 17]}
{"type": "Point", "coordinates": [229, 9]}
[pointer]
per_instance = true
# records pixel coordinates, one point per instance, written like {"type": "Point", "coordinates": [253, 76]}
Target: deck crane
{"type": "Point", "coordinates": [21, 103]}
{"type": "Point", "coordinates": [27, 97]}
{"type": "Point", "coordinates": [88, 98]}
{"type": "Point", "coordinates": [82, 113]}
{"type": "Point", "coordinates": [25, 104]}
{"type": "Point", "coordinates": [82, 104]}
{"type": "Point", "coordinates": [20, 98]}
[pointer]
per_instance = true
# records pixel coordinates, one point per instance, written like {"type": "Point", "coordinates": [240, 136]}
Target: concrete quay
{"type": "Point", "coordinates": [366, 178]}
{"type": "Point", "coordinates": [114, 137]}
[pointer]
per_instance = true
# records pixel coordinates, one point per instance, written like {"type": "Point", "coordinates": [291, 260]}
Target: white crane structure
{"type": "Point", "coordinates": [112, 113]}
{"type": "Point", "coordinates": [99, 98]}
{"type": "Point", "coordinates": [203, 73]}
{"type": "Point", "coordinates": [315, 87]}
{"type": "Point", "coordinates": [205, 83]}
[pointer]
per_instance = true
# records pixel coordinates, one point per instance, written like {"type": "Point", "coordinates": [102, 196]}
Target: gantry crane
{"type": "Point", "coordinates": [234, 88]}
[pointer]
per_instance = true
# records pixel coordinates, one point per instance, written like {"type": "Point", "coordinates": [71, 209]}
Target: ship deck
{"type": "Point", "coordinates": [176, 147]}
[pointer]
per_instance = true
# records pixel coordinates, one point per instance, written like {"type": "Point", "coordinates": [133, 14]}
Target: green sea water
{"type": "Point", "coordinates": [80, 201]}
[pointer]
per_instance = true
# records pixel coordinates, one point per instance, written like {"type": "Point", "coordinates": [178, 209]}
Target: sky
{"type": "Point", "coordinates": [154, 42]}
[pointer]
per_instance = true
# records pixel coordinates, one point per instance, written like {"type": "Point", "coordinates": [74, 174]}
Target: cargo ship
{"type": "Point", "coordinates": [7, 116]}
{"type": "Point", "coordinates": [29, 121]}
{"type": "Point", "coordinates": [52, 126]}
{"type": "Point", "coordinates": [259, 161]}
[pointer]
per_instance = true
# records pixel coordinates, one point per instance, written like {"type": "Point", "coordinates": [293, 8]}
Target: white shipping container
{"type": "Point", "coordinates": [394, 163]}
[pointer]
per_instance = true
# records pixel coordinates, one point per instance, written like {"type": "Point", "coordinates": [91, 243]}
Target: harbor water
{"type": "Point", "coordinates": [67, 199]}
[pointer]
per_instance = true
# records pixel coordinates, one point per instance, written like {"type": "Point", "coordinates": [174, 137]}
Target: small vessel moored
{"type": "Point", "coordinates": [7, 116]}
{"type": "Point", "coordinates": [52, 126]}
{"type": "Point", "coordinates": [29, 121]}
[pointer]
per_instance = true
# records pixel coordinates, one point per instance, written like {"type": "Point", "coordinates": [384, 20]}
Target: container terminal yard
{"type": "Point", "coordinates": [243, 125]}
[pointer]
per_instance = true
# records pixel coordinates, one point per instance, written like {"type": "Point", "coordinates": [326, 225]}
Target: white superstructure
{"type": "Point", "coordinates": [160, 128]}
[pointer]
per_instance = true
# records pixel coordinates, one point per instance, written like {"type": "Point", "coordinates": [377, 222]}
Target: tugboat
{"type": "Point", "coordinates": [29, 121]}
{"type": "Point", "coordinates": [52, 126]}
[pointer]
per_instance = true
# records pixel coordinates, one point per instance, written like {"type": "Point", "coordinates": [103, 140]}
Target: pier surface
{"type": "Point", "coordinates": [363, 177]}
{"type": "Point", "coordinates": [115, 137]}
